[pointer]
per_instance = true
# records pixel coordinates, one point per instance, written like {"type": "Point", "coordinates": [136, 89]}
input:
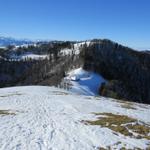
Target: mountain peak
{"type": "Point", "coordinates": [5, 41]}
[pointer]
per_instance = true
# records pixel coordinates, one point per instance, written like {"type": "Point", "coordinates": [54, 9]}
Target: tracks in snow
{"type": "Point", "coordinates": [48, 121]}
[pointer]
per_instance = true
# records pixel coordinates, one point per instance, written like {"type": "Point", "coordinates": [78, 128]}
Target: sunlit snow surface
{"type": "Point", "coordinates": [29, 56]}
{"type": "Point", "coordinates": [48, 118]}
{"type": "Point", "coordinates": [84, 82]}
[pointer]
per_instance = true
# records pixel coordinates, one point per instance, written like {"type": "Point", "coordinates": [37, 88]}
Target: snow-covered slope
{"type": "Point", "coordinates": [47, 118]}
{"type": "Point", "coordinates": [80, 44]}
{"type": "Point", "coordinates": [76, 48]}
{"type": "Point", "coordinates": [84, 82]}
{"type": "Point", "coordinates": [28, 56]}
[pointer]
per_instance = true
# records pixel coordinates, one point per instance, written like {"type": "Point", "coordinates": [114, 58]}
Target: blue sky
{"type": "Point", "coordinates": [124, 21]}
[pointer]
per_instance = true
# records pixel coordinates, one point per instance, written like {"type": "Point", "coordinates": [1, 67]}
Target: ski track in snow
{"type": "Point", "coordinates": [45, 121]}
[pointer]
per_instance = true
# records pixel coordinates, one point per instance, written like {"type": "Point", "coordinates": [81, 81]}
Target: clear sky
{"type": "Point", "coordinates": [124, 21]}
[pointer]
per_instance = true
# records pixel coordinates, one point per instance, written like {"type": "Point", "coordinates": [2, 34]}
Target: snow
{"type": "Point", "coordinates": [67, 51]}
{"type": "Point", "coordinates": [25, 45]}
{"type": "Point", "coordinates": [84, 82]}
{"type": "Point", "coordinates": [76, 49]}
{"type": "Point", "coordinates": [49, 118]}
{"type": "Point", "coordinates": [2, 47]}
{"type": "Point", "coordinates": [34, 56]}
{"type": "Point", "coordinates": [78, 45]}
{"type": "Point", "coordinates": [28, 56]}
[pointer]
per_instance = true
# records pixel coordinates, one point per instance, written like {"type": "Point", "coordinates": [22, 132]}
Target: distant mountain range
{"type": "Point", "coordinates": [5, 41]}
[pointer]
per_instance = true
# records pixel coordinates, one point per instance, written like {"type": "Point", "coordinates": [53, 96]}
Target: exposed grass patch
{"type": "Point", "coordinates": [6, 112]}
{"type": "Point", "coordinates": [128, 106]}
{"type": "Point", "coordinates": [60, 93]}
{"type": "Point", "coordinates": [88, 97]}
{"type": "Point", "coordinates": [101, 148]}
{"type": "Point", "coordinates": [97, 97]}
{"type": "Point", "coordinates": [122, 124]}
{"type": "Point", "coordinates": [142, 130]}
{"type": "Point", "coordinates": [143, 106]}
{"type": "Point", "coordinates": [122, 148]}
{"type": "Point", "coordinates": [13, 94]}
{"type": "Point", "coordinates": [113, 122]}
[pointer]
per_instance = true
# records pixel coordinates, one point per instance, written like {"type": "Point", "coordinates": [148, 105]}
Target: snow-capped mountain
{"type": "Point", "coordinates": [5, 41]}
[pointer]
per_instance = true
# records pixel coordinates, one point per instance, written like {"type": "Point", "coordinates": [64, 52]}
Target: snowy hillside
{"type": "Point", "coordinates": [28, 56]}
{"type": "Point", "coordinates": [84, 82]}
{"type": "Point", "coordinates": [42, 118]}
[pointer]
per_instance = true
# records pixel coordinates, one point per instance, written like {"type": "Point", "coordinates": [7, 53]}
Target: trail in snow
{"type": "Point", "coordinates": [50, 119]}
